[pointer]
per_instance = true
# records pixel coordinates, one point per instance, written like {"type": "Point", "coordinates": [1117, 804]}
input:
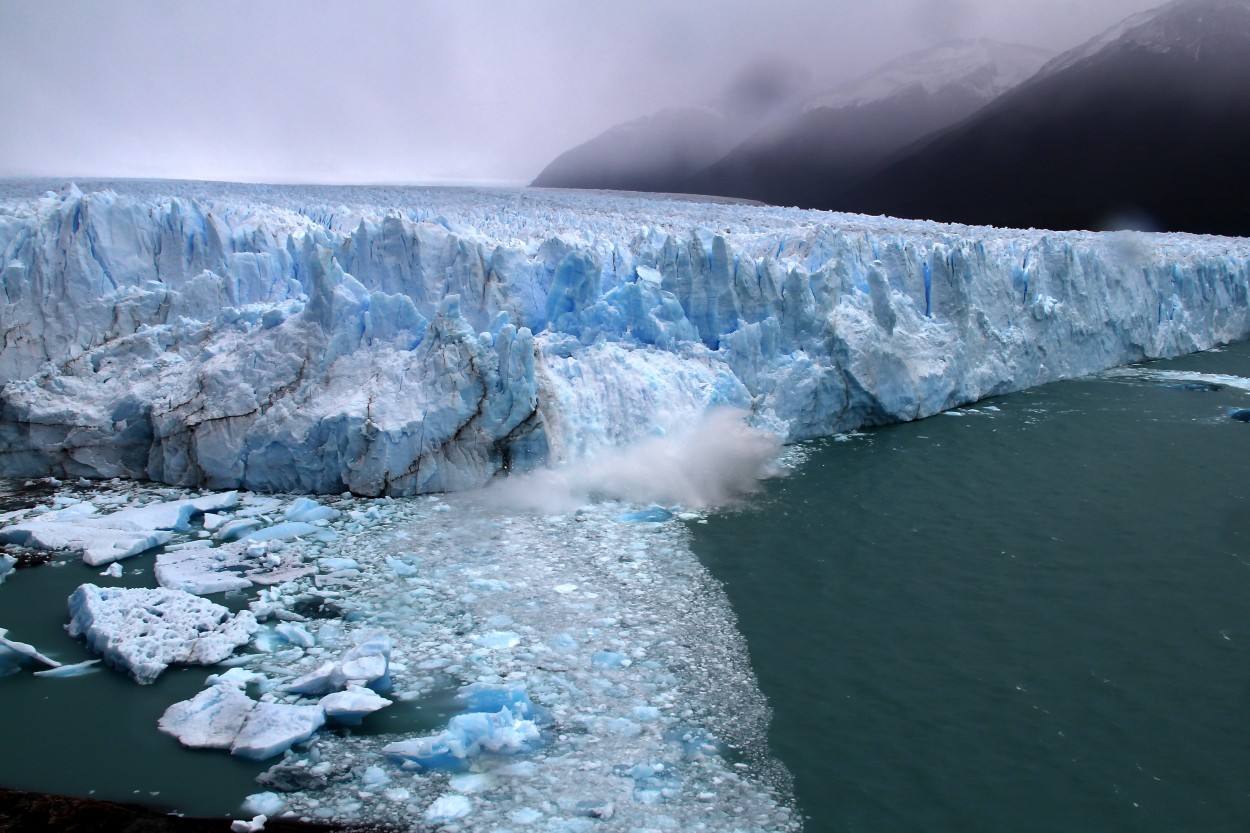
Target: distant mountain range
{"type": "Point", "coordinates": [655, 153]}
{"type": "Point", "coordinates": [1146, 125]}
{"type": "Point", "coordinates": [838, 137]}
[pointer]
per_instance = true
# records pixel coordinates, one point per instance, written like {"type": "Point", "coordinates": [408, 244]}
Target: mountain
{"type": "Point", "coordinates": [655, 152]}
{"type": "Point", "coordinates": [838, 137]}
{"type": "Point", "coordinates": [1147, 124]}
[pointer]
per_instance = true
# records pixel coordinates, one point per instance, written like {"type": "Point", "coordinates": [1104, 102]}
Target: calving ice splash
{"type": "Point", "coordinates": [606, 366]}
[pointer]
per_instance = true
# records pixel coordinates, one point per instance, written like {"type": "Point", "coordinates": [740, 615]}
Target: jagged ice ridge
{"type": "Point", "coordinates": [403, 341]}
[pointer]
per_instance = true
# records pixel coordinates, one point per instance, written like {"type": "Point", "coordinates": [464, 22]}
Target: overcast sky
{"type": "Point", "coordinates": [412, 91]}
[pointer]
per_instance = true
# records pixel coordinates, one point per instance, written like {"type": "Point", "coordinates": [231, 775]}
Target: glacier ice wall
{"type": "Point", "coordinates": [413, 340]}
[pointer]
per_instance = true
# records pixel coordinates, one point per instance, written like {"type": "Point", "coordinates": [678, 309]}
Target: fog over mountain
{"type": "Point", "coordinates": [1146, 125]}
{"type": "Point", "coordinates": [837, 137]}
{"type": "Point", "coordinates": [657, 152]}
{"type": "Point", "coordinates": [379, 91]}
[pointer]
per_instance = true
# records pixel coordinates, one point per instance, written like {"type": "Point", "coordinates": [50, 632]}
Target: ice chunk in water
{"type": "Point", "coordinates": [466, 736]}
{"type": "Point", "coordinates": [14, 655]}
{"type": "Point", "coordinates": [223, 717]}
{"type": "Point", "coordinates": [266, 803]}
{"type": "Point", "coordinates": [6, 566]}
{"type": "Point", "coordinates": [295, 634]}
{"type": "Point", "coordinates": [481, 697]}
{"type": "Point", "coordinates": [308, 510]}
{"type": "Point", "coordinates": [273, 728]}
{"type": "Point", "coordinates": [78, 669]}
{"type": "Point", "coordinates": [254, 826]}
{"type": "Point", "coordinates": [367, 663]}
{"type": "Point", "coordinates": [448, 808]}
{"type": "Point", "coordinates": [351, 706]}
{"type": "Point", "coordinates": [285, 531]}
{"type": "Point", "coordinates": [107, 538]}
{"type": "Point", "coordinates": [211, 719]}
{"type": "Point", "coordinates": [143, 631]}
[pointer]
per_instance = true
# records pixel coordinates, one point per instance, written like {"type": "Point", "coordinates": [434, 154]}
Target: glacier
{"type": "Point", "coordinates": [411, 340]}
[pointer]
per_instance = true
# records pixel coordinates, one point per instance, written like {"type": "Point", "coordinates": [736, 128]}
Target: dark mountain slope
{"type": "Point", "coordinates": [842, 135]}
{"type": "Point", "coordinates": [1149, 123]}
{"type": "Point", "coordinates": [655, 152]}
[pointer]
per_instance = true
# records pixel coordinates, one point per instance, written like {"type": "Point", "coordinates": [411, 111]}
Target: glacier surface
{"type": "Point", "coordinates": [402, 341]}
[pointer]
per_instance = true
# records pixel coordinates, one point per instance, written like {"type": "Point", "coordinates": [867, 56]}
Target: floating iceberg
{"type": "Point", "coordinates": [142, 632]}
{"type": "Point", "coordinates": [15, 655]}
{"type": "Point", "coordinates": [350, 707]}
{"type": "Point", "coordinates": [366, 664]}
{"type": "Point", "coordinates": [466, 736]}
{"type": "Point", "coordinates": [107, 538]}
{"type": "Point", "coordinates": [223, 717]}
{"type": "Point", "coordinates": [423, 340]}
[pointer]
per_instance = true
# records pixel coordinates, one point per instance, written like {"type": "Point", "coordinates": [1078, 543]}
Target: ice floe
{"type": "Point", "coordinates": [15, 655]}
{"type": "Point", "coordinates": [143, 631]}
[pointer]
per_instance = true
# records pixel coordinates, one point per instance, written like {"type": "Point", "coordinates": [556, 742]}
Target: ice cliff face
{"type": "Point", "coordinates": [416, 340]}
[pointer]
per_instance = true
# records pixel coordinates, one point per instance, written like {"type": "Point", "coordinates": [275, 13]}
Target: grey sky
{"type": "Point", "coordinates": [384, 90]}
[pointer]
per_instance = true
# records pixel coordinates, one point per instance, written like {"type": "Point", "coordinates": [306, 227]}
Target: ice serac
{"type": "Point", "coordinates": [315, 340]}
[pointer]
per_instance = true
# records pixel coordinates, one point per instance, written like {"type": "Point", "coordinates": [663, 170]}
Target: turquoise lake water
{"type": "Point", "coordinates": [1029, 619]}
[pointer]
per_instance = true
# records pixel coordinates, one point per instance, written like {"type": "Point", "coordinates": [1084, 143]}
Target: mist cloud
{"type": "Point", "coordinates": [708, 463]}
{"type": "Point", "coordinates": [419, 91]}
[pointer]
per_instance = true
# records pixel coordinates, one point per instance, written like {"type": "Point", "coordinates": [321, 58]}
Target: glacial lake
{"type": "Point", "coordinates": [1031, 615]}
{"type": "Point", "coordinates": [1035, 618]}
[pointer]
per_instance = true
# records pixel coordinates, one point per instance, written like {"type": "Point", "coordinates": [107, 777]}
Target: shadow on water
{"type": "Point", "coordinates": [1029, 619]}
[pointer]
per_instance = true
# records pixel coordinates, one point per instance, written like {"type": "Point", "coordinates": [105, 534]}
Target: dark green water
{"type": "Point", "coordinates": [1034, 620]}
{"type": "Point", "coordinates": [95, 735]}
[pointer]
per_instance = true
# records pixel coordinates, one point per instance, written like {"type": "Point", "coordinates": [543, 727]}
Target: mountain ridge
{"type": "Point", "coordinates": [1143, 126]}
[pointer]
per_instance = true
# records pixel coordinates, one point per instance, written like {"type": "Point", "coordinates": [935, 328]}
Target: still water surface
{"type": "Point", "coordinates": [1029, 619]}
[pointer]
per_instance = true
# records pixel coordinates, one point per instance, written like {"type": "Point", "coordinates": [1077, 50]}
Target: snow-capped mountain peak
{"type": "Point", "coordinates": [1184, 26]}
{"type": "Point", "coordinates": [983, 66]}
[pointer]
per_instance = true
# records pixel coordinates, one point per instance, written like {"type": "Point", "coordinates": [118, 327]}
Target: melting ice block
{"type": "Point", "coordinates": [350, 707]}
{"type": "Point", "coordinates": [143, 631]}
{"type": "Point", "coordinates": [234, 566]}
{"type": "Point", "coordinates": [14, 655]}
{"type": "Point", "coordinates": [308, 510]}
{"type": "Point", "coordinates": [273, 728]}
{"type": "Point", "coordinates": [499, 719]}
{"type": "Point", "coordinates": [223, 717]}
{"type": "Point", "coordinates": [211, 719]}
{"type": "Point", "coordinates": [466, 736]}
{"type": "Point", "coordinates": [107, 538]}
{"type": "Point", "coordinates": [366, 664]}
{"type": "Point", "coordinates": [448, 808]}
{"type": "Point", "coordinates": [78, 669]}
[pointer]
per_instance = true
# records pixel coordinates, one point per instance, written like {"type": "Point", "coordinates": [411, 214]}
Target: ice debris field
{"type": "Point", "coordinates": [581, 702]}
{"type": "Point", "coordinates": [606, 366]}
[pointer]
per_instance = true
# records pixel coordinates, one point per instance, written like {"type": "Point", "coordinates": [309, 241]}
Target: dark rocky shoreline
{"type": "Point", "coordinates": [31, 812]}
